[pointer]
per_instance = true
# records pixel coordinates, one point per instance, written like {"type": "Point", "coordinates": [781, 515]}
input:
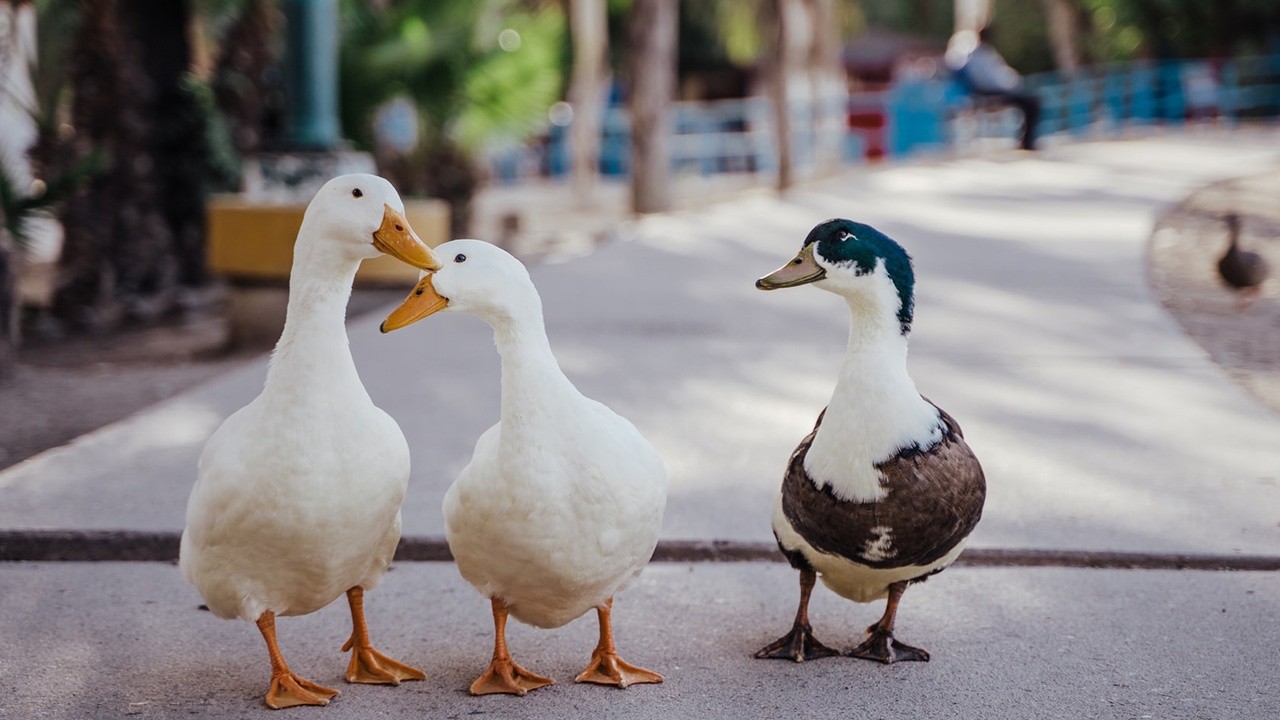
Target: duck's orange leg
{"type": "Point", "coordinates": [368, 665]}
{"type": "Point", "coordinates": [287, 689]}
{"type": "Point", "coordinates": [503, 674]}
{"type": "Point", "coordinates": [606, 668]}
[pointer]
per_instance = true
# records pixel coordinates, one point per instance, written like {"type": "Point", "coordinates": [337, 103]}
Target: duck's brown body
{"type": "Point", "coordinates": [934, 499]}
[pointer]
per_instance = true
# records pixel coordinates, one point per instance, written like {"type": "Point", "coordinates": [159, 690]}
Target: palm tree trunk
{"type": "Point", "coordinates": [84, 272]}
{"type": "Point", "coordinates": [1063, 18]}
{"type": "Point", "coordinates": [652, 65]}
{"type": "Point", "coordinates": [590, 31]}
{"type": "Point", "coordinates": [828, 83]}
{"type": "Point", "coordinates": [9, 320]}
{"type": "Point", "coordinates": [118, 256]}
{"type": "Point", "coordinates": [176, 137]}
{"type": "Point", "coordinates": [972, 15]}
{"type": "Point", "coordinates": [778, 72]}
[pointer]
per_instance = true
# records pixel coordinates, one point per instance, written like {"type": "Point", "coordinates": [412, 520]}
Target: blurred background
{"type": "Point", "coordinates": [155, 155]}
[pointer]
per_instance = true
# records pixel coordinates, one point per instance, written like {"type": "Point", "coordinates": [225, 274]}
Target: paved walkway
{"type": "Point", "coordinates": [1101, 427]}
{"type": "Point", "coordinates": [104, 640]}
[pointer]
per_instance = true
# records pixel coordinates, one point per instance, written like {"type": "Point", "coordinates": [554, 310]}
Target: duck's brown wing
{"type": "Point", "coordinates": [933, 500]}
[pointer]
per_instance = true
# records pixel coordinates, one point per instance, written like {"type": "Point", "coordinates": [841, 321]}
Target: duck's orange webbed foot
{"type": "Point", "coordinates": [289, 690]}
{"type": "Point", "coordinates": [504, 676]}
{"type": "Point", "coordinates": [367, 664]}
{"type": "Point", "coordinates": [606, 668]}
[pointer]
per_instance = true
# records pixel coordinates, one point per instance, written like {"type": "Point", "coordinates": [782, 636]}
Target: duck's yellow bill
{"type": "Point", "coordinates": [422, 301]}
{"type": "Point", "coordinates": [395, 238]}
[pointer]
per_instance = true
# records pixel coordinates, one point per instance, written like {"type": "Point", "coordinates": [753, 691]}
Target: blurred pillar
{"type": "Point", "coordinates": [972, 15]}
{"type": "Point", "coordinates": [1064, 19]}
{"type": "Point", "coordinates": [311, 63]}
{"type": "Point", "coordinates": [788, 19]}
{"type": "Point", "coordinates": [590, 32]}
{"type": "Point", "coordinates": [829, 86]}
{"type": "Point", "coordinates": [652, 63]}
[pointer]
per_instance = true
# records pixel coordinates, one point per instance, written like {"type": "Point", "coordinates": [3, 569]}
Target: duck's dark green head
{"type": "Point", "coordinates": [838, 251]}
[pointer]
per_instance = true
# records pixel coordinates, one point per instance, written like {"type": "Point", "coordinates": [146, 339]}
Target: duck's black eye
{"type": "Point", "coordinates": [459, 258]}
{"type": "Point", "coordinates": [357, 193]}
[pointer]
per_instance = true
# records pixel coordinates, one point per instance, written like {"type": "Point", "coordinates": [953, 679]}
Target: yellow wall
{"type": "Point", "coordinates": [254, 241]}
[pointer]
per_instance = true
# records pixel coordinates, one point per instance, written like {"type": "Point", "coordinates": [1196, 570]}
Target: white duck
{"type": "Point", "coordinates": [561, 504]}
{"type": "Point", "coordinates": [298, 495]}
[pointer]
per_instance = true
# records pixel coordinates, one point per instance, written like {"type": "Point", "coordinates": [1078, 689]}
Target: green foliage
{"type": "Point", "coordinates": [222, 171]}
{"type": "Point", "coordinates": [480, 72]}
{"type": "Point", "coordinates": [56, 25]}
{"type": "Point", "coordinates": [929, 18]}
{"type": "Point", "coordinates": [18, 205]}
{"type": "Point", "coordinates": [1022, 35]}
{"type": "Point", "coordinates": [1125, 29]}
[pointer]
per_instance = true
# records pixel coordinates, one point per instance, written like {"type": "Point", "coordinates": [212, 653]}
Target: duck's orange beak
{"type": "Point", "coordinates": [395, 238]}
{"type": "Point", "coordinates": [422, 301]}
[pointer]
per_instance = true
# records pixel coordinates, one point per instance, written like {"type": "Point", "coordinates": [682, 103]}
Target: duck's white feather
{"type": "Point", "coordinates": [298, 493]}
{"type": "Point", "coordinates": [562, 502]}
{"type": "Point", "coordinates": [875, 409]}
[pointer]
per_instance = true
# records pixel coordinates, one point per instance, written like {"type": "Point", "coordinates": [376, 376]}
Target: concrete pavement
{"type": "Point", "coordinates": [1100, 425]}
{"type": "Point", "coordinates": [107, 640]}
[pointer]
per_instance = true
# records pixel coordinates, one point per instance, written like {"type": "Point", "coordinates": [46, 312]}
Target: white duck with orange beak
{"type": "Point", "coordinates": [562, 502]}
{"type": "Point", "coordinates": [298, 494]}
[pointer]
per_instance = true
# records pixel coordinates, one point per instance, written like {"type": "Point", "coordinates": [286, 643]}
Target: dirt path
{"type": "Point", "coordinates": [1184, 252]}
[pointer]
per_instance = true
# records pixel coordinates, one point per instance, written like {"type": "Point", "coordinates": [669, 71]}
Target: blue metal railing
{"type": "Point", "coordinates": [1112, 98]}
{"type": "Point", "coordinates": [707, 138]}
{"type": "Point", "coordinates": [923, 115]}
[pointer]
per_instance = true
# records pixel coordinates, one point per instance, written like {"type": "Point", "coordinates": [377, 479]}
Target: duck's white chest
{"type": "Point", "coordinates": [292, 508]}
{"type": "Point", "coordinates": [875, 411]}
{"type": "Point", "coordinates": [556, 529]}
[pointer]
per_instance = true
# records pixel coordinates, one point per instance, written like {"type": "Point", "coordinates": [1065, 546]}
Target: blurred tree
{"type": "Point", "coordinates": [1066, 22]}
{"type": "Point", "coordinates": [247, 52]}
{"type": "Point", "coordinates": [174, 138]}
{"type": "Point", "coordinates": [652, 71]}
{"type": "Point", "coordinates": [97, 74]}
{"type": "Point", "coordinates": [480, 73]}
{"type": "Point", "coordinates": [8, 301]}
{"type": "Point", "coordinates": [827, 82]}
{"type": "Point", "coordinates": [1023, 35]}
{"type": "Point", "coordinates": [779, 61]}
{"type": "Point", "coordinates": [134, 236]}
{"type": "Point", "coordinates": [589, 29]}
{"type": "Point", "coordinates": [928, 18]}
{"type": "Point", "coordinates": [21, 209]}
{"type": "Point", "coordinates": [1125, 29]}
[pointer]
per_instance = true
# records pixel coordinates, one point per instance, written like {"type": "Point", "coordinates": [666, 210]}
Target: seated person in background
{"type": "Point", "coordinates": [981, 70]}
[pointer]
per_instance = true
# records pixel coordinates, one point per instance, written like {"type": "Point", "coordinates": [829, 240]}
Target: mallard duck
{"type": "Point", "coordinates": [297, 499]}
{"type": "Point", "coordinates": [560, 506]}
{"type": "Point", "coordinates": [1242, 270]}
{"type": "Point", "coordinates": [884, 491]}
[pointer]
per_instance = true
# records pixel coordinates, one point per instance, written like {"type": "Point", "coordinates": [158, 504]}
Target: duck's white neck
{"type": "Point", "coordinates": [533, 385]}
{"type": "Point", "coordinates": [875, 410]}
{"type": "Point", "coordinates": [313, 347]}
